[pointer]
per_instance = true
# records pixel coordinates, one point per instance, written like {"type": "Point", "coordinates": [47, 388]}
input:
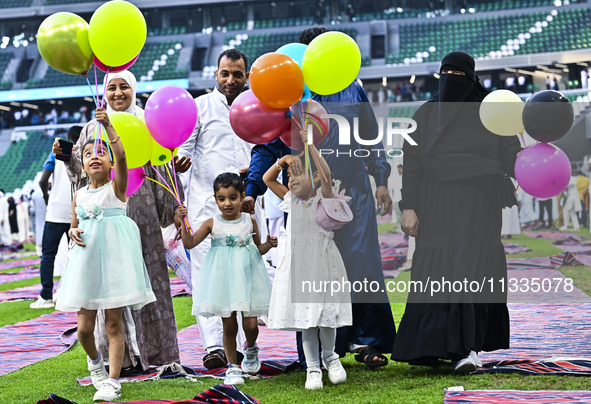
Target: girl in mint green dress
{"type": "Point", "coordinates": [233, 277]}
{"type": "Point", "coordinates": [106, 268]}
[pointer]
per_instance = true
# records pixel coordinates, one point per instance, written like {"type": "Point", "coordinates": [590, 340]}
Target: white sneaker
{"type": "Point", "coordinates": [41, 303]}
{"type": "Point", "coordinates": [336, 371]}
{"type": "Point", "coordinates": [251, 363]}
{"type": "Point", "coordinates": [109, 391]}
{"type": "Point", "coordinates": [465, 366]}
{"type": "Point", "coordinates": [476, 359]}
{"type": "Point", "coordinates": [98, 373]}
{"type": "Point", "coordinates": [314, 379]}
{"type": "Point", "coordinates": [234, 375]}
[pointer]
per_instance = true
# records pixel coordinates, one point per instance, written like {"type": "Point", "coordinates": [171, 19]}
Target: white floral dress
{"type": "Point", "coordinates": [308, 253]}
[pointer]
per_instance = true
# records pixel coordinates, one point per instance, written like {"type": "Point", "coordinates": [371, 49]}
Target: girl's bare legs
{"type": "Point", "coordinates": [251, 330]}
{"type": "Point", "coordinates": [114, 328]}
{"type": "Point", "coordinates": [230, 331]}
{"type": "Point", "coordinates": [86, 320]}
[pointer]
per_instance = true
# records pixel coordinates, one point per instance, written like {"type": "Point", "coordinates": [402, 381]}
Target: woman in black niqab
{"type": "Point", "coordinates": [455, 185]}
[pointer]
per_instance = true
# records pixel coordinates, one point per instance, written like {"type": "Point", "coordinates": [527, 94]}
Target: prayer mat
{"type": "Point", "coordinates": [573, 245]}
{"type": "Point", "coordinates": [550, 366]}
{"type": "Point", "coordinates": [552, 234]}
{"type": "Point", "coordinates": [542, 285]}
{"type": "Point", "coordinates": [25, 273]}
{"type": "Point", "coordinates": [515, 397]}
{"type": "Point", "coordinates": [13, 255]}
{"type": "Point", "coordinates": [26, 293]}
{"type": "Point", "coordinates": [18, 264]}
{"type": "Point", "coordinates": [512, 248]}
{"type": "Point", "coordinates": [278, 355]}
{"type": "Point", "coordinates": [218, 394]}
{"type": "Point", "coordinates": [178, 287]}
{"type": "Point", "coordinates": [35, 340]}
{"type": "Point", "coordinates": [540, 331]}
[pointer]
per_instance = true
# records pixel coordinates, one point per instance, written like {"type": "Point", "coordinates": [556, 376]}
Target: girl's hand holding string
{"type": "Point", "coordinates": [181, 211]}
{"type": "Point", "coordinates": [75, 235]}
{"type": "Point", "coordinates": [102, 117]}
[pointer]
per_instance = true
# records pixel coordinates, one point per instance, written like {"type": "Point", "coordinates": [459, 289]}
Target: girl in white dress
{"type": "Point", "coordinates": [106, 268]}
{"type": "Point", "coordinates": [308, 254]}
{"type": "Point", "coordinates": [233, 277]}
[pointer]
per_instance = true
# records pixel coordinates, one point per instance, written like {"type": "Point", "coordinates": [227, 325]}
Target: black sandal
{"type": "Point", "coordinates": [366, 356]}
{"type": "Point", "coordinates": [215, 359]}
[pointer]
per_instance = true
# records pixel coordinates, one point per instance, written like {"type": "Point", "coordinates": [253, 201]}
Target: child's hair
{"type": "Point", "coordinates": [91, 141]}
{"type": "Point", "coordinates": [74, 133]}
{"type": "Point", "coordinates": [227, 180]}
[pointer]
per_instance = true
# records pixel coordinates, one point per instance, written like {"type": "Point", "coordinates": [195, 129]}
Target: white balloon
{"type": "Point", "coordinates": [501, 111]}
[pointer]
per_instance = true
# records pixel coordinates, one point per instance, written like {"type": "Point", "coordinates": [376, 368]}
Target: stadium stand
{"type": "Point", "coordinates": [15, 3]}
{"type": "Point", "coordinates": [54, 2]}
{"type": "Point", "coordinates": [495, 36]}
{"type": "Point", "coordinates": [164, 52]}
{"type": "Point", "coordinates": [256, 45]}
{"type": "Point", "coordinates": [23, 160]}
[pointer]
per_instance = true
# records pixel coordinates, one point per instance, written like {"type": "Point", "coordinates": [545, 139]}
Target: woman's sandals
{"type": "Point", "coordinates": [368, 354]}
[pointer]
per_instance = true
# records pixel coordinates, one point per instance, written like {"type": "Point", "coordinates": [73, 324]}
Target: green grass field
{"type": "Point", "coordinates": [395, 383]}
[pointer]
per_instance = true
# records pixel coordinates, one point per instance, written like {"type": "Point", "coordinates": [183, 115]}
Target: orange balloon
{"type": "Point", "coordinates": [276, 80]}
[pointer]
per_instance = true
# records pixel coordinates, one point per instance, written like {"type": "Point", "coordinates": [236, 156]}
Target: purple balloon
{"type": "Point", "coordinates": [171, 116]}
{"type": "Point", "coordinates": [543, 170]}
{"type": "Point", "coordinates": [255, 122]}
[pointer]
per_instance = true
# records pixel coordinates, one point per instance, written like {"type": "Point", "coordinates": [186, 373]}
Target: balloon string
{"type": "Point", "coordinates": [105, 88]}
{"type": "Point", "coordinates": [174, 171]}
{"type": "Point", "coordinates": [187, 225]}
{"type": "Point", "coordinates": [297, 123]}
{"type": "Point", "coordinates": [164, 186]}
{"type": "Point", "coordinates": [176, 192]}
{"type": "Point", "coordinates": [91, 94]}
{"type": "Point", "coordinates": [96, 84]}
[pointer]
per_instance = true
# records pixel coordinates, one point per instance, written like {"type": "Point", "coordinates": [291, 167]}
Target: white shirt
{"type": "Point", "coordinates": [59, 206]}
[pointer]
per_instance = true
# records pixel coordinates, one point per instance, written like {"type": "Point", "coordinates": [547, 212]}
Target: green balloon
{"type": "Point", "coordinates": [135, 138]}
{"type": "Point", "coordinates": [63, 43]}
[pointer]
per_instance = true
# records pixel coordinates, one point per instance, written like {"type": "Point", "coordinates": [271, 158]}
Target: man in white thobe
{"type": "Point", "coordinates": [214, 148]}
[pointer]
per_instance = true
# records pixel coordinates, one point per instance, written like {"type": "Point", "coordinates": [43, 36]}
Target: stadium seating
{"type": "Point", "coordinates": [258, 44]}
{"type": "Point", "coordinates": [152, 51]}
{"type": "Point", "coordinates": [275, 23]}
{"type": "Point", "coordinates": [15, 3]}
{"type": "Point", "coordinates": [53, 2]}
{"type": "Point", "coordinates": [168, 31]}
{"type": "Point", "coordinates": [503, 35]}
{"type": "Point", "coordinates": [23, 160]}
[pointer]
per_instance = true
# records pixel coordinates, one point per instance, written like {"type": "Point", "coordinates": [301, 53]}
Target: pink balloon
{"type": "Point", "coordinates": [543, 170]}
{"type": "Point", "coordinates": [255, 122]}
{"type": "Point", "coordinates": [171, 116]}
{"type": "Point", "coordinates": [116, 69]}
{"type": "Point", "coordinates": [135, 179]}
{"type": "Point", "coordinates": [291, 136]}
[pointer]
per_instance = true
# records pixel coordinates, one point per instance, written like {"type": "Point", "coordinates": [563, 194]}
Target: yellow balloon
{"type": "Point", "coordinates": [135, 138]}
{"type": "Point", "coordinates": [117, 32]}
{"type": "Point", "coordinates": [63, 43]}
{"type": "Point", "coordinates": [331, 62]}
{"type": "Point", "coordinates": [160, 155]}
{"type": "Point", "coordinates": [501, 113]}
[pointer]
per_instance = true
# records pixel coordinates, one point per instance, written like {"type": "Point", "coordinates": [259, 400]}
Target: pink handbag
{"type": "Point", "coordinates": [333, 213]}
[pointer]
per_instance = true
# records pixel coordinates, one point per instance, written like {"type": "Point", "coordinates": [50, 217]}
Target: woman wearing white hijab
{"type": "Point", "coordinates": [150, 333]}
